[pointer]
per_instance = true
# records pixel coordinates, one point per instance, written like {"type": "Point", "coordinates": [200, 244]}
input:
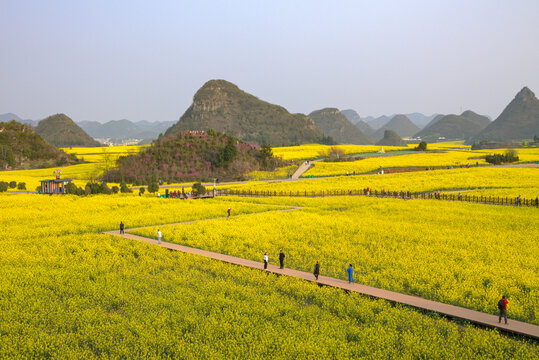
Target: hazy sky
{"type": "Point", "coordinates": [105, 60]}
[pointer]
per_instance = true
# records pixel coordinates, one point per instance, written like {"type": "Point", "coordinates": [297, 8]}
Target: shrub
{"type": "Point", "coordinates": [115, 189]}
{"type": "Point", "coordinates": [153, 187]}
{"type": "Point", "coordinates": [496, 159]}
{"type": "Point", "coordinates": [141, 191]}
{"type": "Point", "coordinates": [21, 186]}
{"type": "Point", "coordinates": [13, 184]}
{"type": "Point", "coordinates": [3, 186]}
{"type": "Point", "coordinates": [422, 146]}
{"type": "Point", "coordinates": [73, 189]}
{"type": "Point", "coordinates": [104, 189]}
{"type": "Point", "coordinates": [198, 189]}
{"type": "Point", "coordinates": [124, 188]}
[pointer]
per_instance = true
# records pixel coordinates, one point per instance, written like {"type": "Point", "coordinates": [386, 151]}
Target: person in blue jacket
{"type": "Point", "coordinates": [350, 272]}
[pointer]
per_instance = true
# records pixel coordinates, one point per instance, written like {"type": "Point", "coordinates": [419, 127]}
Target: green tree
{"type": "Point", "coordinates": [3, 186]}
{"type": "Point", "coordinates": [422, 146]}
{"type": "Point", "coordinates": [13, 184]}
{"type": "Point", "coordinates": [230, 150]}
{"type": "Point", "coordinates": [153, 187]}
{"type": "Point", "coordinates": [6, 155]}
{"type": "Point", "coordinates": [124, 188]}
{"type": "Point", "coordinates": [198, 189]}
{"type": "Point", "coordinates": [21, 186]}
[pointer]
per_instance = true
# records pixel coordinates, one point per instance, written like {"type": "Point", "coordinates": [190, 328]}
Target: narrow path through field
{"type": "Point", "coordinates": [476, 317]}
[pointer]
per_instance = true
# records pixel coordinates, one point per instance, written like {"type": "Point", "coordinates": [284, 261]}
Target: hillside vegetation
{"type": "Point", "coordinates": [453, 126]}
{"type": "Point", "coordinates": [222, 106]}
{"type": "Point", "coordinates": [334, 124]}
{"type": "Point", "coordinates": [400, 124]}
{"type": "Point", "coordinates": [391, 138]}
{"type": "Point", "coordinates": [193, 156]}
{"type": "Point", "coordinates": [518, 121]}
{"type": "Point", "coordinates": [22, 148]}
{"type": "Point", "coordinates": [61, 131]}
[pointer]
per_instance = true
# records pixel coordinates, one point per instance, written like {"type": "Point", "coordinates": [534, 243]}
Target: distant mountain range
{"type": "Point", "coordinates": [399, 124]}
{"type": "Point", "coordinates": [333, 123]}
{"type": "Point", "coordinates": [125, 129]}
{"type": "Point", "coordinates": [10, 116]}
{"type": "Point", "coordinates": [420, 120]}
{"type": "Point", "coordinates": [115, 129]}
{"type": "Point", "coordinates": [454, 127]}
{"type": "Point", "coordinates": [351, 115]}
{"type": "Point", "coordinates": [222, 106]}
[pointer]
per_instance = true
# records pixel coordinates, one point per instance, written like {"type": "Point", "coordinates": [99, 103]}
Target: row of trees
{"type": "Point", "coordinates": [496, 159]}
{"type": "Point", "coordinates": [12, 184]}
{"type": "Point", "coordinates": [96, 188]}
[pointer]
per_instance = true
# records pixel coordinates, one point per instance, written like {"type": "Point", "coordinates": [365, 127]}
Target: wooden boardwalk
{"type": "Point", "coordinates": [476, 317]}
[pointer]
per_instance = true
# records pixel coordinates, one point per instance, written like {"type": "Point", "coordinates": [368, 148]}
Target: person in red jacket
{"type": "Point", "coordinates": [502, 306]}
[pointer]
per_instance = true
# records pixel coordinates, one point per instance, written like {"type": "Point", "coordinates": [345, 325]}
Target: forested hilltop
{"type": "Point", "coordinates": [61, 131]}
{"type": "Point", "coordinates": [22, 148]}
{"type": "Point", "coordinates": [222, 106]}
{"type": "Point", "coordinates": [193, 156]}
{"type": "Point", "coordinates": [333, 123]}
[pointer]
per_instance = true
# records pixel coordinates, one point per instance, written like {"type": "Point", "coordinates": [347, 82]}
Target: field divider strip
{"type": "Point", "coordinates": [476, 317]}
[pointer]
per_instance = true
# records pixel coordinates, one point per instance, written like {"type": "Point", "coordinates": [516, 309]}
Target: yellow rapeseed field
{"type": "Point", "coordinates": [313, 151]}
{"type": "Point", "coordinates": [70, 292]}
{"type": "Point", "coordinates": [521, 181]}
{"type": "Point", "coordinates": [445, 251]}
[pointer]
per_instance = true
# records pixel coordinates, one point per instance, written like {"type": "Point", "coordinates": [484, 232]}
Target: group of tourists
{"type": "Point", "coordinates": [316, 272]}
{"type": "Point", "coordinates": [502, 303]}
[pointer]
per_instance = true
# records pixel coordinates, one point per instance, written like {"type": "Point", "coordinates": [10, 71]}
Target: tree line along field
{"type": "Point", "coordinates": [68, 291]}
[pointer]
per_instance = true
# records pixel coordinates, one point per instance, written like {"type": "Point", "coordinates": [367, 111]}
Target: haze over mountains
{"type": "Point", "coordinates": [399, 124]}
{"type": "Point", "coordinates": [454, 127]}
{"type": "Point", "coordinates": [333, 123]}
{"type": "Point", "coordinates": [222, 106]}
{"type": "Point", "coordinates": [125, 129]}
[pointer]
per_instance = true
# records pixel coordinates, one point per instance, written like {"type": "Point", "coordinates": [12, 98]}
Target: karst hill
{"type": "Point", "coordinates": [391, 138]}
{"type": "Point", "coordinates": [334, 124]}
{"type": "Point", "coordinates": [193, 156]}
{"type": "Point", "coordinates": [222, 106]}
{"type": "Point", "coordinates": [61, 131]}
{"type": "Point", "coordinates": [518, 121]}
{"type": "Point", "coordinates": [452, 127]}
{"type": "Point", "coordinates": [400, 124]}
{"type": "Point", "coordinates": [22, 148]}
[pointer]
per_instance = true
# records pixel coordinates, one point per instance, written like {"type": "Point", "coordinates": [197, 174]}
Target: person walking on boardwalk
{"type": "Point", "coordinates": [266, 259]}
{"type": "Point", "coordinates": [121, 227]}
{"type": "Point", "coordinates": [281, 259]}
{"type": "Point", "coordinates": [502, 306]}
{"type": "Point", "coordinates": [316, 270]}
{"type": "Point", "coordinates": [228, 212]}
{"type": "Point", "coordinates": [159, 236]}
{"type": "Point", "coordinates": [350, 272]}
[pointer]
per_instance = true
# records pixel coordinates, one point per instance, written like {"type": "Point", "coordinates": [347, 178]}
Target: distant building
{"type": "Point", "coordinates": [54, 186]}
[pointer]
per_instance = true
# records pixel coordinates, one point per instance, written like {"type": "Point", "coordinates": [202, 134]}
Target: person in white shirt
{"type": "Point", "coordinates": [159, 236]}
{"type": "Point", "coordinates": [266, 260]}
